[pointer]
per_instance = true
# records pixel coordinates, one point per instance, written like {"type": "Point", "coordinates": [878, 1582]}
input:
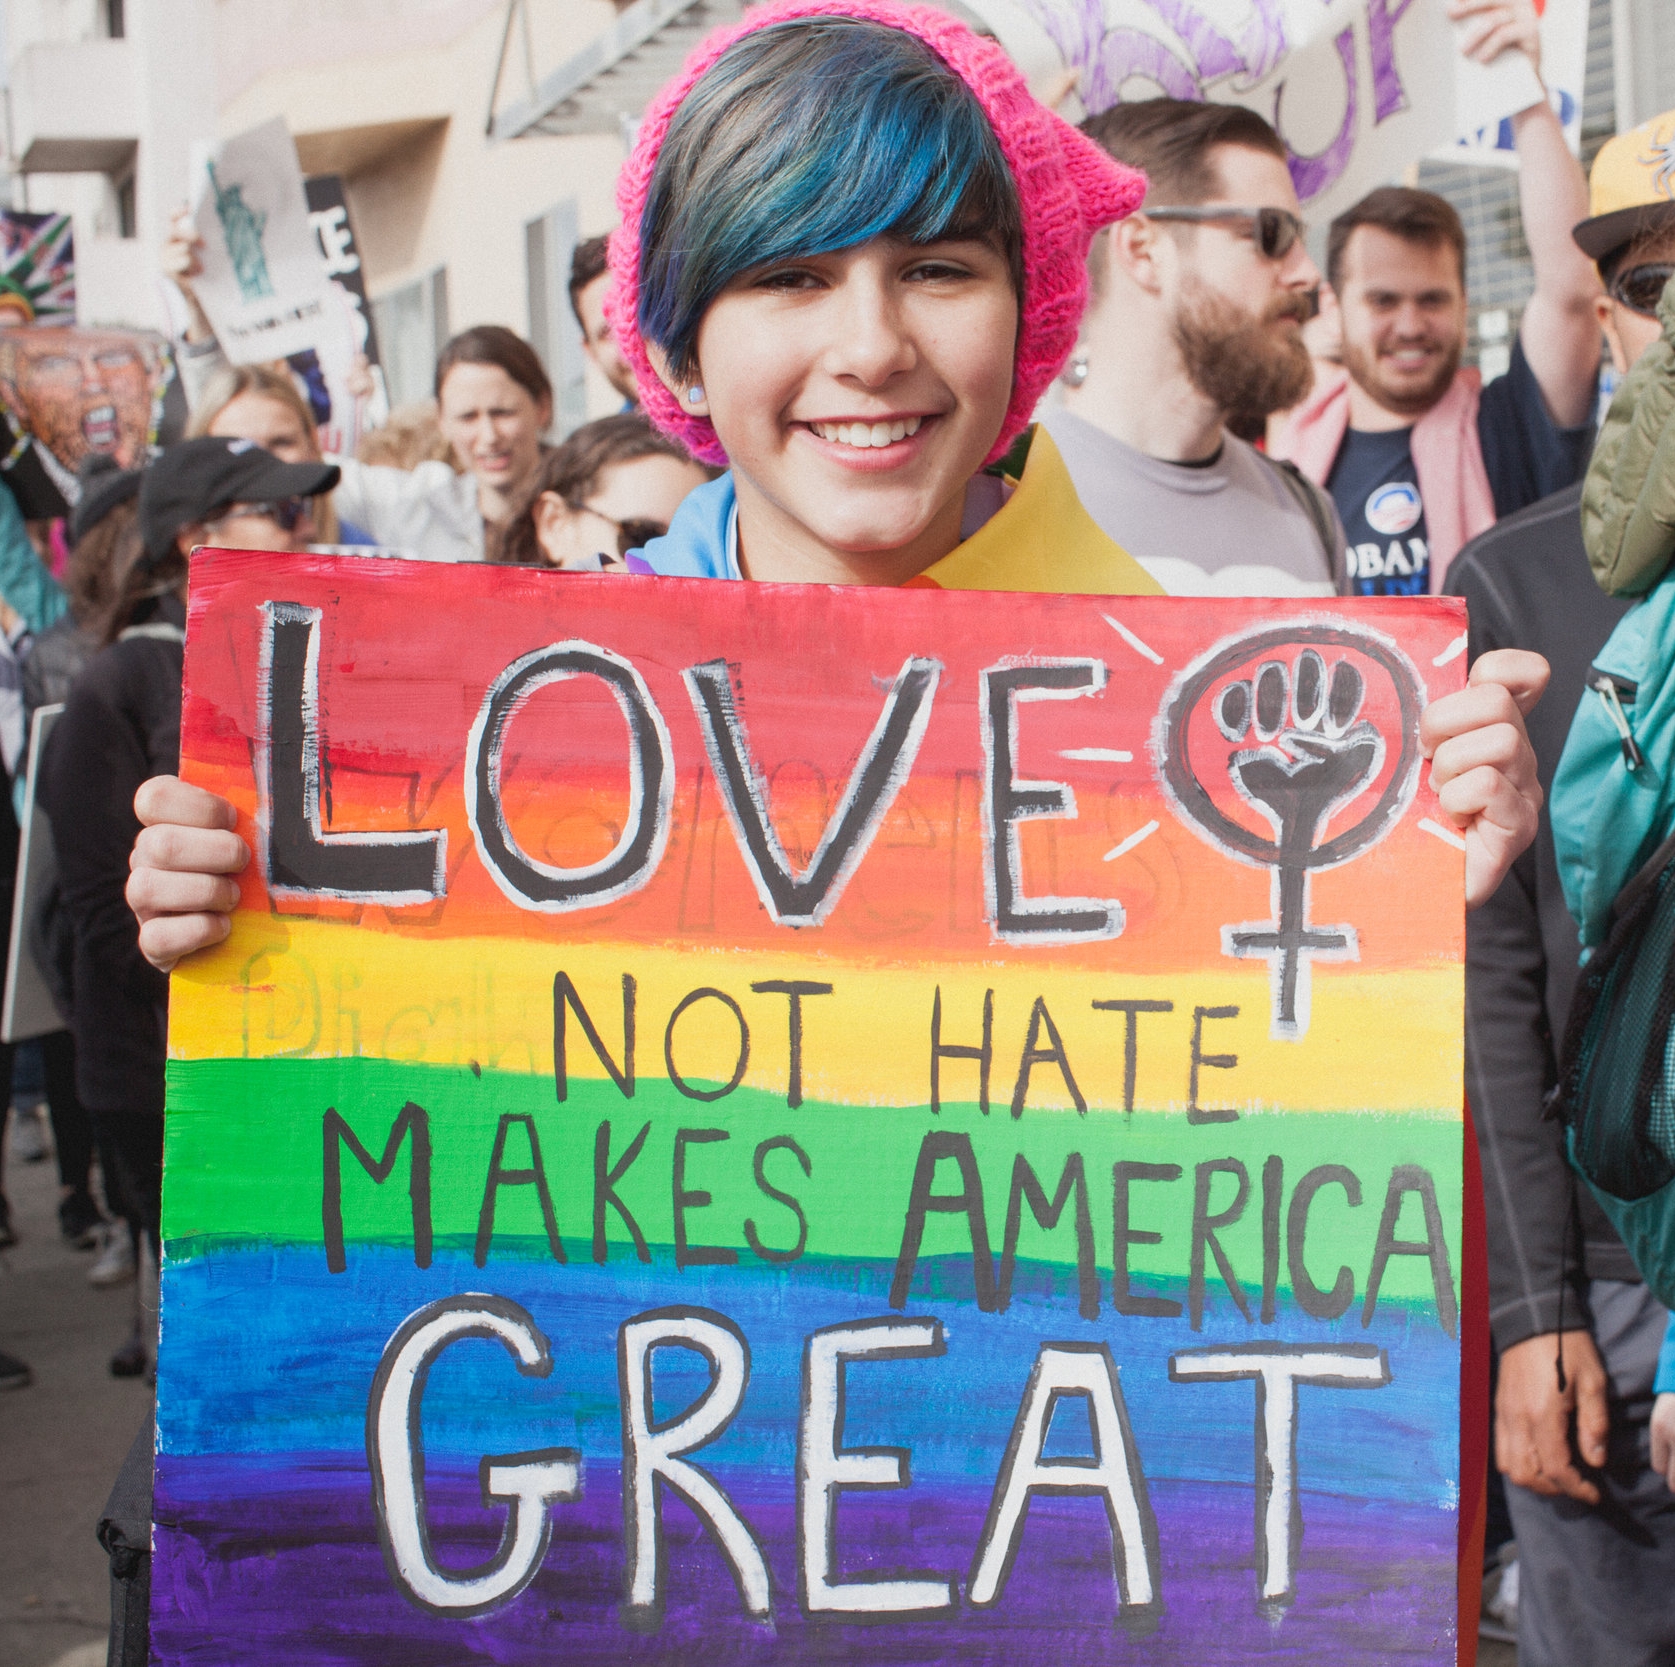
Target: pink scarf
{"type": "Point", "coordinates": [1447, 457]}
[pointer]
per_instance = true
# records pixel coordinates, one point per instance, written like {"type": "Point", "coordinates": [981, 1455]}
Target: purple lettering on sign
{"type": "Point", "coordinates": [1213, 54]}
{"type": "Point", "coordinates": [1106, 57]}
{"type": "Point", "coordinates": [1382, 18]}
{"type": "Point", "coordinates": [1130, 52]}
{"type": "Point", "coordinates": [1313, 174]}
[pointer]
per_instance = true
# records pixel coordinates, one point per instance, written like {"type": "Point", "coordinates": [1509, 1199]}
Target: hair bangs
{"type": "Point", "coordinates": [808, 138]}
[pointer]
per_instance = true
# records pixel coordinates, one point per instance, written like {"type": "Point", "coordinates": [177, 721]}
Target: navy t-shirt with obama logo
{"type": "Point", "coordinates": [1376, 488]}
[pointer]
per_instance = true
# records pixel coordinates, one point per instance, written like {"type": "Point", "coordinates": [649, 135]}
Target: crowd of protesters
{"type": "Point", "coordinates": [1184, 437]}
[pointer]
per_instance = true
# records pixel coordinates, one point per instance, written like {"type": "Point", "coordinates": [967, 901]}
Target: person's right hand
{"type": "Point", "coordinates": [1663, 1438]}
{"type": "Point", "coordinates": [1532, 1417]}
{"type": "Point", "coordinates": [182, 261]}
{"type": "Point", "coordinates": [182, 258]}
{"type": "Point", "coordinates": [1492, 27]}
{"type": "Point", "coordinates": [359, 382]}
{"type": "Point", "coordinates": [180, 883]}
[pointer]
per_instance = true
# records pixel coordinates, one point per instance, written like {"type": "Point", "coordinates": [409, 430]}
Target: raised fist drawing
{"type": "Point", "coordinates": [1311, 753]}
{"type": "Point", "coordinates": [1301, 750]}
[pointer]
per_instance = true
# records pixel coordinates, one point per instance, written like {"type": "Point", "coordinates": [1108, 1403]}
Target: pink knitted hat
{"type": "Point", "coordinates": [1067, 189]}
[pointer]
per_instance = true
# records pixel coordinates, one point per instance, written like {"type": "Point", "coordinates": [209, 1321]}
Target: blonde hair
{"type": "Point", "coordinates": [412, 436]}
{"type": "Point", "coordinates": [266, 382]}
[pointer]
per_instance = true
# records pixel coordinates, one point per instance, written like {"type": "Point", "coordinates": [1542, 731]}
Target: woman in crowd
{"type": "Point", "coordinates": [494, 403]}
{"type": "Point", "coordinates": [611, 487]}
{"type": "Point", "coordinates": [852, 257]}
{"type": "Point", "coordinates": [260, 403]}
{"type": "Point", "coordinates": [105, 543]}
{"type": "Point", "coordinates": [121, 726]}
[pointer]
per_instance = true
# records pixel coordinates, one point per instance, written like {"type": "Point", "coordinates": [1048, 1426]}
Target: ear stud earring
{"type": "Point", "coordinates": [1075, 373]}
{"type": "Point", "coordinates": [694, 395]}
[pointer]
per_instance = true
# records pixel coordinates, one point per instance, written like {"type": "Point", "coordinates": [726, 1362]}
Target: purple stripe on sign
{"type": "Point", "coordinates": [1373, 1580]}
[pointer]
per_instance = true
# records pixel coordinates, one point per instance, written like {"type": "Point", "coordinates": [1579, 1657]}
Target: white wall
{"type": "Point", "coordinates": [447, 198]}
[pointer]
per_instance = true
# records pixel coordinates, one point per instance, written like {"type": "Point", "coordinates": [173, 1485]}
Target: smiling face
{"type": "Point", "coordinates": [493, 424]}
{"type": "Point", "coordinates": [80, 391]}
{"type": "Point", "coordinates": [1404, 318]}
{"type": "Point", "coordinates": [856, 393]}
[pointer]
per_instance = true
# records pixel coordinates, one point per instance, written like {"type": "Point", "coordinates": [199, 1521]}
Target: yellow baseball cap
{"type": "Point", "coordinates": [1631, 190]}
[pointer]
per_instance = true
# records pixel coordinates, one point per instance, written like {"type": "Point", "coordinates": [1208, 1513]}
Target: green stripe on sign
{"type": "Point", "coordinates": [247, 1143]}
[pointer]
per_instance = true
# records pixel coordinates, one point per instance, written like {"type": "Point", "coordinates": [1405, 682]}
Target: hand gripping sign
{"type": "Point", "coordinates": [748, 1123]}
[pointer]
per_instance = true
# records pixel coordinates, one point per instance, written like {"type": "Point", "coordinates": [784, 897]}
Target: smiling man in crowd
{"type": "Point", "coordinates": [1418, 454]}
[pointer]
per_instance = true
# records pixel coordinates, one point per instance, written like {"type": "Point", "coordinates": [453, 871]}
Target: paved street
{"type": "Point", "coordinates": [62, 1440]}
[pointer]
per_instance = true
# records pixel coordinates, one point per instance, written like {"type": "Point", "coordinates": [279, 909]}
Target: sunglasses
{"type": "Point", "coordinates": [1640, 288]}
{"type": "Point", "coordinates": [286, 513]}
{"type": "Point", "coordinates": [1274, 230]}
{"type": "Point", "coordinates": [632, 534]}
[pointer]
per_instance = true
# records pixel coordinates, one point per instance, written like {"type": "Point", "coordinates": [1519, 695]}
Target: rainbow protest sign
{"type": "Point", "coordinates": [758, 1124]}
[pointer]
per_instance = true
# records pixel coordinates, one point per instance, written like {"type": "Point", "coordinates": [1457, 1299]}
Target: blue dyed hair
{"type": "Point", "coordinates": [807, 137]}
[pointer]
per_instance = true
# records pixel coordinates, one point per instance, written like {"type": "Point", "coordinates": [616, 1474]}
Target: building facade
{"type": "Point", "coordinates": [479, 139]}
{"type": "Point", "coordinates": [111, 101]}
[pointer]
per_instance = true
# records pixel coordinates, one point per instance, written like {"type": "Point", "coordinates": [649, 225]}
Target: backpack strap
{"type": "Point", "coordinates": [1313, 502]}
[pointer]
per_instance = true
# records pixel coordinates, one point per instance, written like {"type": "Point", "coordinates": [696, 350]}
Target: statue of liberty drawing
{"type": "Point", "coordinates": [242, 227]}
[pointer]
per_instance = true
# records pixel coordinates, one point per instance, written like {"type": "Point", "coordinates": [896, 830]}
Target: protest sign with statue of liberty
{"type": "Point", "coordinates": [263, 285]}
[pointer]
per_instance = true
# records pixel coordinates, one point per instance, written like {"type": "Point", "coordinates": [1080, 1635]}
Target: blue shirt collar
{"type": "Point", "coordinates": [703, 539]}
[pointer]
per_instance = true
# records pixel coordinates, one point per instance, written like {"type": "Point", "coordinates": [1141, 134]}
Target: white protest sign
{"type": "Point", "coordinates": [354, 345]}
{"type": "Point", "coordinates": [1564, 65]}
{"type": "Point", "coordinates": [27, 1008]}
{"type": "Point", "coordinates": [1359, 89]}
{"type": "Point", "coordinates": [263, 285]}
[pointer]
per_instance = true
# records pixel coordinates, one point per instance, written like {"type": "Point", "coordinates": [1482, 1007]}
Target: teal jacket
{"type": "Point", "coordinates": [27, 587]}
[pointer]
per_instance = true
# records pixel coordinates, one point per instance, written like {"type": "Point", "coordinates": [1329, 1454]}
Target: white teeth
{"type": "Point", "coordinates": [864, 436]}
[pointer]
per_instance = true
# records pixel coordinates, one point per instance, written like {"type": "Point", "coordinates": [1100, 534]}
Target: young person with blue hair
{"type": "Point", "coordinates": [852, 257]}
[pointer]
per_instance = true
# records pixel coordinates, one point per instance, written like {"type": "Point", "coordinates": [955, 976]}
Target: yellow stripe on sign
{"type": "Point", "coordinates": [315, 989]}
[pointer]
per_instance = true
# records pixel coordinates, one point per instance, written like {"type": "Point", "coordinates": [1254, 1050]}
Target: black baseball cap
{"type": "Point", "coordinates": [196, 479]}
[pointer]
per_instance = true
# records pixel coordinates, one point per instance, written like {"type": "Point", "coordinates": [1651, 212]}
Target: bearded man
{"type": "Point", "coordinates": [1197, 312]}
{"type": "Point", "coordinates": [1418, 454]}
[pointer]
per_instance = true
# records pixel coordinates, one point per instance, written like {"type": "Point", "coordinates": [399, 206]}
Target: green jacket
{"type": "Point", "coordinates": [1628, 503]}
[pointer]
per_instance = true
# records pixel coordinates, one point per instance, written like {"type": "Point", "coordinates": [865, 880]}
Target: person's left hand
{"type": "Point", "coordinates": [1482, 764]}
{"type": "Point", "coordinates": [359, 382]}
{"type": "Point", "coordinates": [1494, 26]}
{"type": "Point", "coordinates": [1663, 1438]}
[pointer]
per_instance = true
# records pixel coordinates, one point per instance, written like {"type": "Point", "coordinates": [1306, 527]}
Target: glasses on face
{"type": "Point", "coordinates": [632, 534]}
{"type": "Point", "coordinates": [1273, 230]}
{"type": "Point", "coordinates": [1640, 288]}
{"type": "Point", "coordinates": [286, 513]}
